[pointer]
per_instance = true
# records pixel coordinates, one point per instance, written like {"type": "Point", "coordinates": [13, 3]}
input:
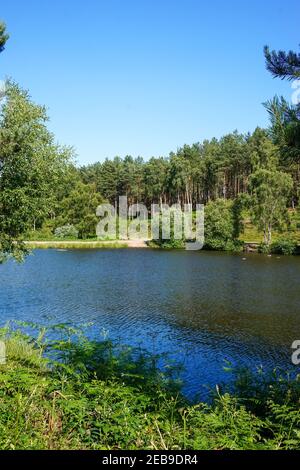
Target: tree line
{"type": "Point", "coordinates": [198, 173]}
{"type": "Point", "coordinates": [42, 189]}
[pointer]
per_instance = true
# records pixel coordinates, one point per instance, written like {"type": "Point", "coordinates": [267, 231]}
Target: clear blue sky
{"type": "Point", "coordinates": [143, 77]}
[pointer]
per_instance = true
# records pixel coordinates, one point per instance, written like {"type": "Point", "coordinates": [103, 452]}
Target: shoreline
{"type": "Point", "coordinates": [76, 244]}
{"type": "Point", "coordinates": [248, 247]}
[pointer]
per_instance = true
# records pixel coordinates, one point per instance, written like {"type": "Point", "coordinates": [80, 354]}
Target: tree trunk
{"type": "Point", "coordinates": [268, 235]}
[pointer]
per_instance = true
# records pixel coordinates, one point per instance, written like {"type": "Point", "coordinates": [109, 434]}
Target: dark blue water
{"type": "Point", "coordinates": [201, 307]}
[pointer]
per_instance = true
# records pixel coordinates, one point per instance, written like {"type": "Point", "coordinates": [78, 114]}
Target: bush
{"type": "Point", "coordinates": [171, 244]}
{"type": "Point", "coordinates": [66, 231]}
{"type": "Point", "coordinates": [264, 248]}
{"type": "Point", "coordinates": [284, 246]}
{"type": "Point", "coordinates": [234, 245]}
{"type": "Point", "coordinates": [44, 233]}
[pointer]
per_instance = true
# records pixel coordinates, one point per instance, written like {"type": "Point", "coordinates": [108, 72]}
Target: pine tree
{"type": "Point", "coordinates": [281, 64]}
{"type": "Point", "coordinates": [285, 117]}
{"type": "Point", "coordinates": [3, 36]}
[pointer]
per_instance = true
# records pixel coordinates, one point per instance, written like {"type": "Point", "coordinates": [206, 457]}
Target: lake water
{"type": "Point", "coordinates": [201, 307]}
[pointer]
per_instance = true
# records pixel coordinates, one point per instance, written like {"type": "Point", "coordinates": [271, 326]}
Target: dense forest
{"type": "Point", "coordinates": [193, 174]}
{"type": "Point", "coordinates": [43, 192]}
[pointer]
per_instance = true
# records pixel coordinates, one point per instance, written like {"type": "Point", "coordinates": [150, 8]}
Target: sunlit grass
{"type": "Point", "coordinates": [251, 234]}
{"type": "Point", "coordinates": [75, 244]}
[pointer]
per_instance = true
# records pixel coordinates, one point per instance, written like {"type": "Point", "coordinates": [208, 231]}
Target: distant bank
{"type": "Point", "coordinates": [247, 246]}
{"type": "Point", "coordinates": [87, 244]}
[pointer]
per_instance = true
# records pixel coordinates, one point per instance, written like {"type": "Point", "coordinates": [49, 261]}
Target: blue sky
{"type": "Point", "coordinates": [144, 77]}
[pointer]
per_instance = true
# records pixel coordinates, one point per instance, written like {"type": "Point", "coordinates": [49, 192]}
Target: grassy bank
{"type": "Point", "coordinates": [77, 244]}
{"type": "Point", "coordinates": [98, 395]}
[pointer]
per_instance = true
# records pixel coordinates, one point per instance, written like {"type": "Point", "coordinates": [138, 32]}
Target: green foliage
{"type": "Point", "coordinates": [270, 191]}
{"type": "Point", "coordinates": [171, 244]}
{"type": "Point", "coordinates": [285, 118]}
{"type": "Point", "coordinates": [101, 395]}
{"type": "Point", "coordinates": [283, 64]}
{"type": "Point", "coordinates": [43, 233]}
{"type": "Point", "coordinates": [285, 129]}
{"type": "Point", "coordinates": [263, 152]}
{"type": "Point", "coordinates": [264, 248]}
{"type": "Point", "coordinates": [3, 36]}
{"type": "Point", "coordinates": [222, 226]}
{"type": "Point", "coordinates": [155, 179]}
{"type": "Point", "coordinates": [31, 165]}
{"type": "Point", "coordinates": [274, 398]}
{"type": "Point", "coordinates": [66, 231]}
{"type": "Point", "coordinates": [284, 246]}
{"type": "Point", "coordinates": [78, 208]}
{"type": "Point", "coordinates": [194, 174]}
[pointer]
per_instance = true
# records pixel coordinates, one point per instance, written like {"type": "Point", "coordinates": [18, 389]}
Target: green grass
{"type": "Point", "coordinates": [251, 234]}
{"type": "Point", "coordinates": [100, 395]}
{"type": "Point", "coordinates": [75, 244]}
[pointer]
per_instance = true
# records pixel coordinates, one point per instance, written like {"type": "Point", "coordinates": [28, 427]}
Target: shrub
{"type": "Point", "coordinates": [264, 248]}
{"type": "Point", "coordinates": [43, 233]}
{"type": "Point", "coordinates": [170, 244]}
{"type": "Point", "coordinates": [284, 246]}
{"type": "Point", "coordinates": [66, 231]}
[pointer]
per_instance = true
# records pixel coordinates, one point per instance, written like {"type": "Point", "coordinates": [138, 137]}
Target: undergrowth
{"type": "Point", "coordinates": [72, 393]}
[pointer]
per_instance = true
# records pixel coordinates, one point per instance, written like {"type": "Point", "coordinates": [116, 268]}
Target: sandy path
{"type": "Point", "coordinates": [136, 243]}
